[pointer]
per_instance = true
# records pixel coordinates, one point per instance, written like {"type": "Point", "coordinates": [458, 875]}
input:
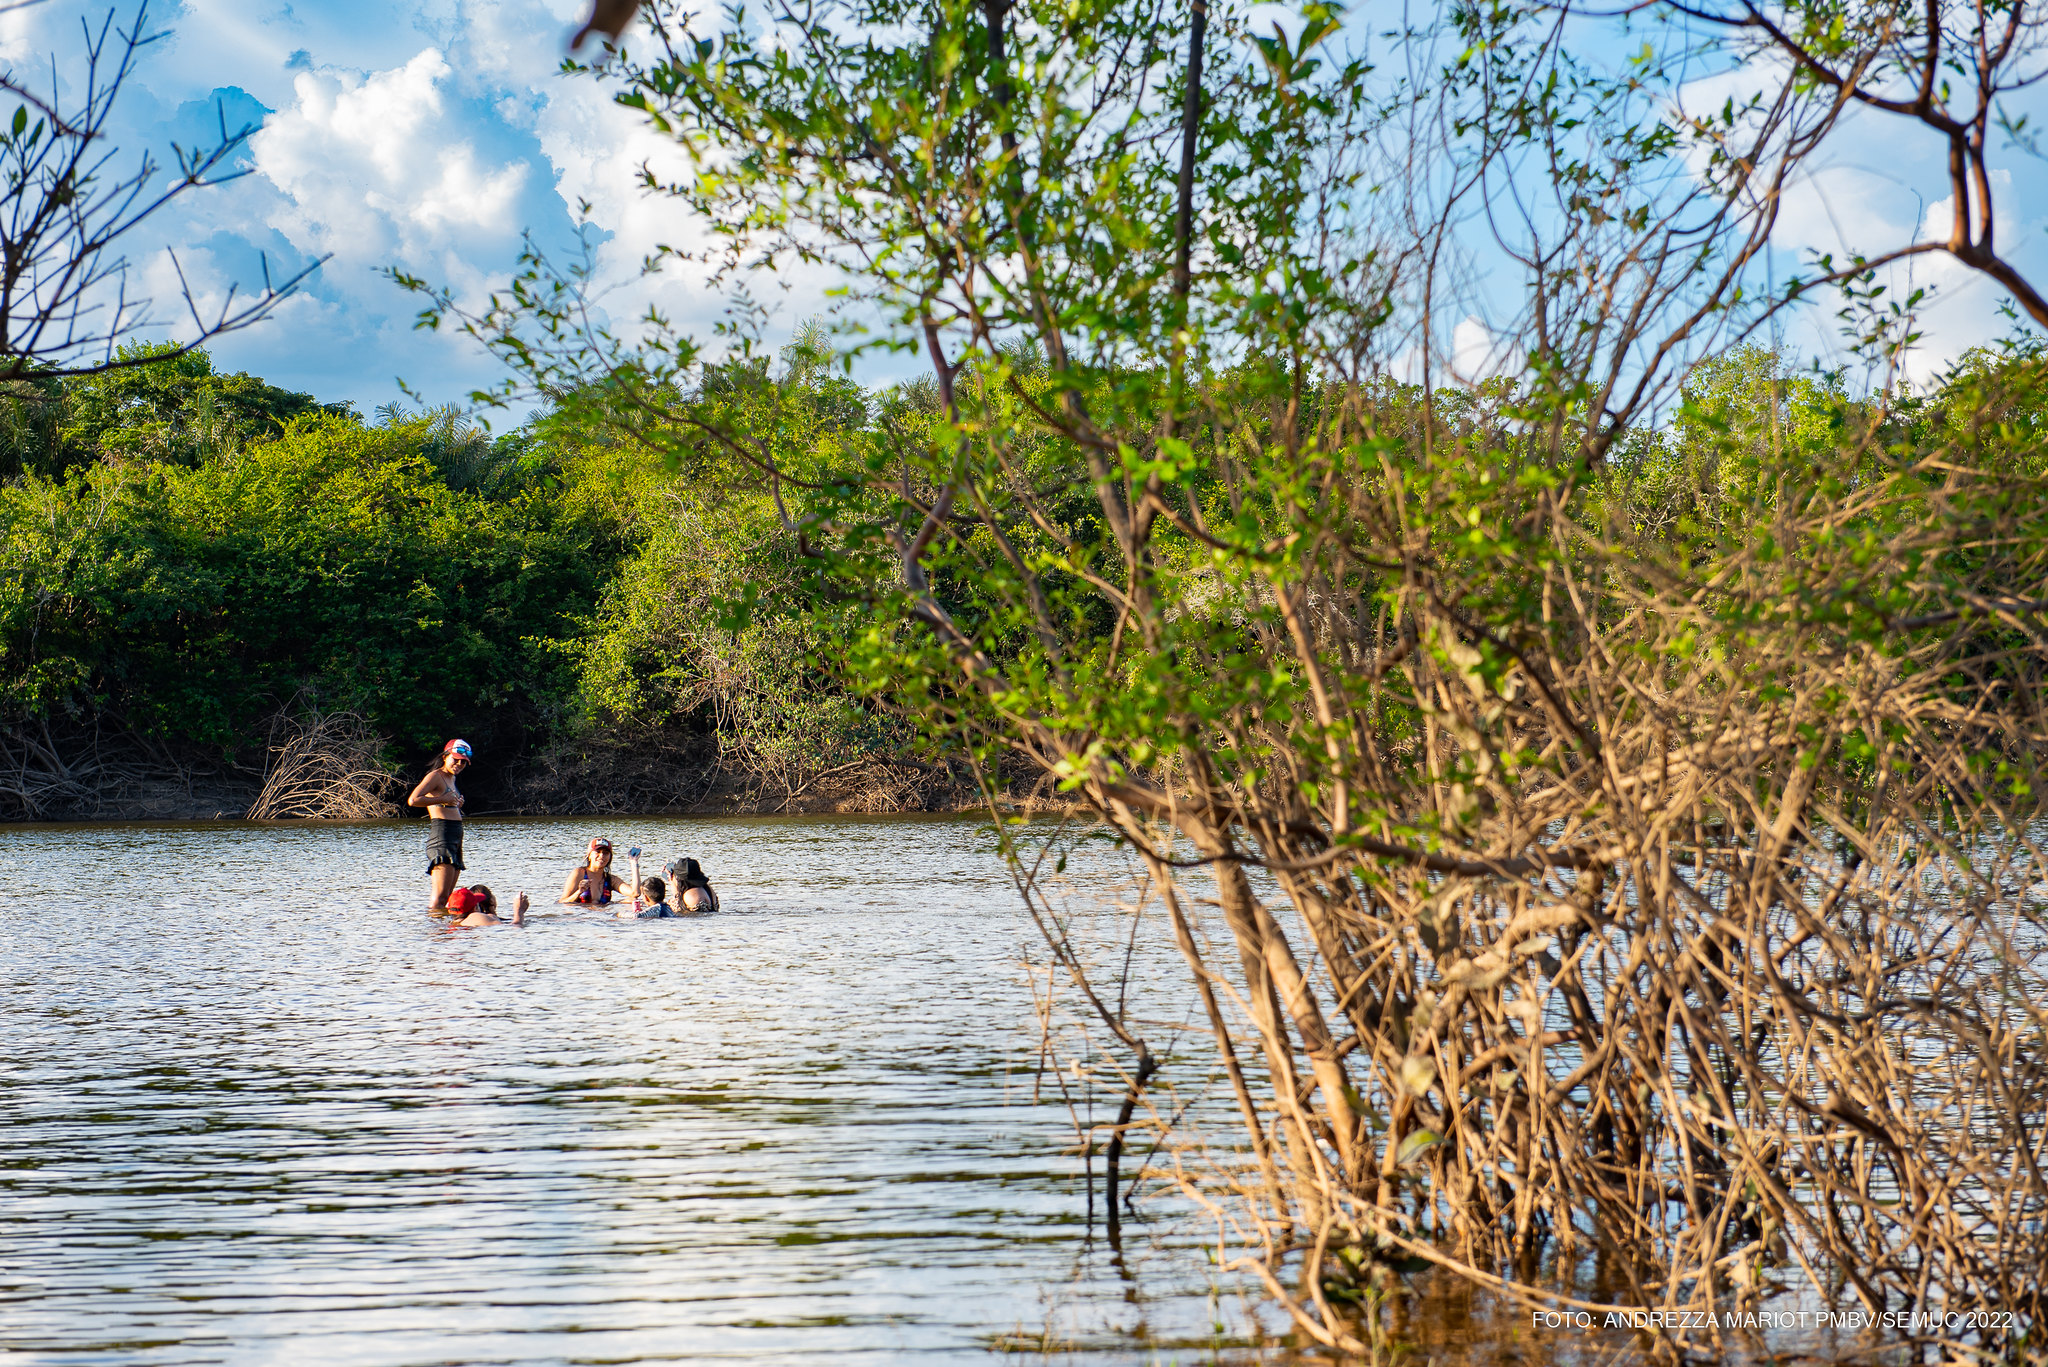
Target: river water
{"type": "Point", "coordinates": [258, 1106]}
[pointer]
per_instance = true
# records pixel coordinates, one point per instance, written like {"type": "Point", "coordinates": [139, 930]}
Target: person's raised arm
{"type": "Point", "coordinates": [480, 917]}
{"type": "Point", "coordinates": [424, 794]}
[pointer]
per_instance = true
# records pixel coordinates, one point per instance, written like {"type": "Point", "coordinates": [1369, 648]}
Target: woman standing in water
{"type": "Point", "coordinates": [592, 883]}
{"type": "Point", "coordinates": [438, 794]}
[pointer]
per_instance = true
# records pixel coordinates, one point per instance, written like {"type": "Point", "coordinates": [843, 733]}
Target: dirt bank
{"type": "Point", "coordinates": [590, 778]}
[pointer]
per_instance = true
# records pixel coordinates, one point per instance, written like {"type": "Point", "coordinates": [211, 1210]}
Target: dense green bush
{"type": "Point", "coordinates": [183, 554]}
{"type": "Point", "coordinates": [175, 408]}
{"type": "Point", "coordinates": [188, 601]}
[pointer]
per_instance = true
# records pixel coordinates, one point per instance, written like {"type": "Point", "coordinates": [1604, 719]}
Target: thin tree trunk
{"type": "Point", "coordinates": [1190, 136]}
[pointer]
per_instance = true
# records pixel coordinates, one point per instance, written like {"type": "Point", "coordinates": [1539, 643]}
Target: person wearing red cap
{"type": "Point", "coordinates": [478, 906]}
{"type": "Point", "coordinates": [438, 794]}
{"type": "Point", "coordinates": [592, 883]}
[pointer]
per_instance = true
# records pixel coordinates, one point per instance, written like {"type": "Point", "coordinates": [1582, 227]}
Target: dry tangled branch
{"type": "Point", "coordinates": [1678, 945]}
{"type": "Point", "coordinates": [325, 766]}
{"type": "Point", "coordinates": [99, 769]}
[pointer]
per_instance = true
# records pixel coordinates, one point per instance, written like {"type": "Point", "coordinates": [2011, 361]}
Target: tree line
{"type": "Point", "coordinates": [193, 559]}
{"type": "Point", "coordinates": [192, 556]}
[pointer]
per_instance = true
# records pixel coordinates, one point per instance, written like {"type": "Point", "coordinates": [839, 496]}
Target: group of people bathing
{"type": "Point", "coordinates": [591, 883]}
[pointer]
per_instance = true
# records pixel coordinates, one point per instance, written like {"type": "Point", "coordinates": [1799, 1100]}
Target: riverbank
{"type": "Point", "coordinates": [599, 784]}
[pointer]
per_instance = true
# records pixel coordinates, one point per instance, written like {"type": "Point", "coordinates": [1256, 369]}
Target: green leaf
{"type": "Point", "coordinates": [1415, 1144]}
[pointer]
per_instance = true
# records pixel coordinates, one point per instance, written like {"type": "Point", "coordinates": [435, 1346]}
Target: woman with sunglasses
{"type": "Point", "coordinates": [592, 883]}
{"type": "Point", "coordinates": [438, 794]}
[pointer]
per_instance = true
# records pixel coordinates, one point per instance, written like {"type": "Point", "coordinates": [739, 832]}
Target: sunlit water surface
{"type": "Point", "coordinates": [258, 1107]}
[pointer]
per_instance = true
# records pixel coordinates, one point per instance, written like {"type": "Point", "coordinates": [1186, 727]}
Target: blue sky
{"type": "Point", "coordinates": [424, 136]}
{"type": "Point", "coordinates": [428, 136]}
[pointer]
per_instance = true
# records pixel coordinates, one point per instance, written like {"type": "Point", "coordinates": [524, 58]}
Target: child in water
{"type": "Point", "coordinates": [656, 893]}
{"type": "Point", "coordinates": [478, 906]}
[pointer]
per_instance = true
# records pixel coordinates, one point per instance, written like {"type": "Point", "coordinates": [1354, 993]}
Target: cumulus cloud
{"type": "Point", "coordinates": [1847, 210]}
{"type": "Point", "coordinates": [423, 134]}
{"type": "Point", "coordinates": [597, 152]}
{"type": "Point", "coordinates": [1880, 185]}
{"type": "Point", "coordinates": [259, 46]}
{"type": "Point", "coordinates": [31, 35]}
{"type": "Point", "coordinates": [1477, 353]}
{"type": "Point", "coordinates": [381, 168]}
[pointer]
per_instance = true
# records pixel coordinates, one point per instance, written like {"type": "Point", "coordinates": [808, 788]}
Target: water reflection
{"type": "Point", "coordinates": [258, 1105]}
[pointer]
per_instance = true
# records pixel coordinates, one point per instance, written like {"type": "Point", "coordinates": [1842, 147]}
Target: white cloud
{"type": "Point", "coordinates": [516, 44]}
{"type": "Point", "coordinates": [380, 168]}
{"type": "Point", "coordinates": [26, 35]}
{"type": "Point", "coordinates": [1478, 354]}
{"type": "Point", "coordinates": [597, 151]}
{"type": "Point", "coordinates": [1868, 192]}
{"type": "Point", "coordinates": [1939, 220]}
{"type": "Point", "coordinates": [250, 43]}
{"type": "Point", "coordinates": [425, 134]}
{"type": "Point", "coordinates": [1843, 210]}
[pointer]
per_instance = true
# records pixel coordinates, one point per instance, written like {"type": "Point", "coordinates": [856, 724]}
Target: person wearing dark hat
{"type": "Point", "coordinates": [438, 794]}
{"type": "Point", "coordinates": [592, 883]}
{"type": "Point", "coordinates": [693, 890]}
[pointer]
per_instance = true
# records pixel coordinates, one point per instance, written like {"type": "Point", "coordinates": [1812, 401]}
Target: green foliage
{"type": "Point", "coordinates": [177, 409]}
{"type": "Point", "coordinates": [1743, 421]}
{"type": "Point", "coordinates": [665, 644]}
{"type": "Point", "coordinates": [438, 578]}
{"type": "Point", "coordinates": [715, 615]}
{"type": "Point", "coordinates": [188, 601]}
{"type": "Point", "coordinates": [185, 580]}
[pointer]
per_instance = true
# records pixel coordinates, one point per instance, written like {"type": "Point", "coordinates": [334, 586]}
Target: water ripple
{"type": "Point", "coordinates": [258, 1106]}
